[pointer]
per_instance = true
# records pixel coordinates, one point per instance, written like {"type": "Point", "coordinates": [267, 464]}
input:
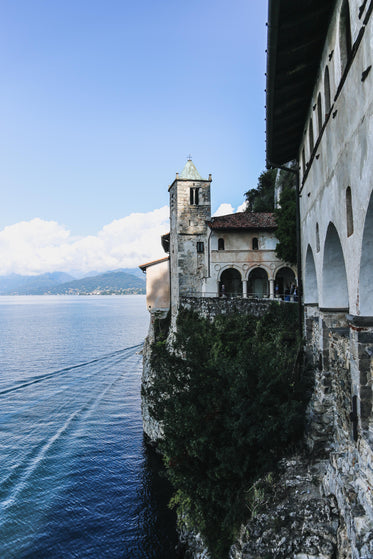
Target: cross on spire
{"type": "Point", "coordinates": [190, 157]}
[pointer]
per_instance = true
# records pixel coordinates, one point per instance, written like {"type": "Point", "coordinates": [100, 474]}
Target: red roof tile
{"type": "Point", "coordinates": [244, 220]}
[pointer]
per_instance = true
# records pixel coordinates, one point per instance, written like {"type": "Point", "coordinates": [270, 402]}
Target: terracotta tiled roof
{"type": "Point", "coordinates": [244, 220]}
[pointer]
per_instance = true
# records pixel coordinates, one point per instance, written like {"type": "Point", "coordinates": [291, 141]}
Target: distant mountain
{"type": "Point", "coordinates": [117, 282]}
{"type": "Point", "coordinates": [15, 284]}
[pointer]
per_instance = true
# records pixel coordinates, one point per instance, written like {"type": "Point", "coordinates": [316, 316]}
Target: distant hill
{"type": "Point", "coordinates": [59, 283]}
{"type": "Point", "coordinates": [15, 284]}
{"type": "Point", "coordinates": [119, 283]}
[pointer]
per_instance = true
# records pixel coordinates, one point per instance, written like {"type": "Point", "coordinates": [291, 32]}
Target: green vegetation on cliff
{"type": "Point", "coordinates": [231, 403]}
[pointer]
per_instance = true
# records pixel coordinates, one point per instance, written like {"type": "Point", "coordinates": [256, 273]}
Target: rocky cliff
{"type": "Point", "coordinates": [319, 505]}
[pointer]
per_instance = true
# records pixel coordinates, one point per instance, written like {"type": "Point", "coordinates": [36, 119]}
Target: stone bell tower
{"type": "Point", "coordinates": [190, 208]}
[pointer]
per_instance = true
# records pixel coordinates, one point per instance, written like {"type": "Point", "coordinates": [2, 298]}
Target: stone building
{"type": "Point", "coordinates": [225, 256]}
{"type": "Point", "coordinates": [319, 112]}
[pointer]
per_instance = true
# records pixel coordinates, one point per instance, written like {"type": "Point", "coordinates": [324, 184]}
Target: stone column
{"type": "Point", "coordinates": [244, 288]}
{"type": "Point", "coordinates": [271, 288]}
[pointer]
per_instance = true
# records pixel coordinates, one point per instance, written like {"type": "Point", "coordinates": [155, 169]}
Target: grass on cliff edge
{"type": "Point", "coordinates": [231, 404]}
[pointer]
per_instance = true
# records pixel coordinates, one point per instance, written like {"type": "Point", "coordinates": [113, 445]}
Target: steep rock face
{"type": "Point", "coordinates": [322, 506]}
{"type": "Point", "coordinates": [291, 518]}
{"type": "Point", "coordinates": [151, 427]}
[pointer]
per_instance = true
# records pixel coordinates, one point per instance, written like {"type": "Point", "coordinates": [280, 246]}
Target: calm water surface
{"type": "Point", "coordinates": [76, 480]}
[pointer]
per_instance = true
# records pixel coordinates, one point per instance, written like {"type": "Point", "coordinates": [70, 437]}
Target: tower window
{"type": "Point", "coordinates": [255, 243]}
{"type": "Point", "coordinates": [194, 196]}
{"type": "Point", "coordinates": [220, 244]}
{"type": "Point", "coordinates": [200, 246]}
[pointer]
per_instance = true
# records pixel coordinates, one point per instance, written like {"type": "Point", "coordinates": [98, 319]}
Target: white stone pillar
{"type": "Point", "coordinates": [271, 288]}
{"type": "Point", "coordinates": [244, 288]}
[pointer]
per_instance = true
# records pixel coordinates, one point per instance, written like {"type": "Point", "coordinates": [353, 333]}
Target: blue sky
{"type": "Point", "coordinates": [102, 101]}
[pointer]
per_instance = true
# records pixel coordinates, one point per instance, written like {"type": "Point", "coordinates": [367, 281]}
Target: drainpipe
{"type": "Point", "coordinates": [298, 235]}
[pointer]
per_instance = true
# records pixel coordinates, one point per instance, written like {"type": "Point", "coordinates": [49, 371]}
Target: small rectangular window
{"type": "Point", "coordinates": [194, 196]}
{"type": "Point", "coordinates": [200, 246]}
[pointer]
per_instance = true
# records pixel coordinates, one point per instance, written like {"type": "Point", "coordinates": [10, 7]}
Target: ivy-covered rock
{"type": "Point", "coordinates": [231, 403]}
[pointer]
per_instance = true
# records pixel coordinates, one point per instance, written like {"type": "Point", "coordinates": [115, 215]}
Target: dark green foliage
{"type": "Point", "coordinates": [231, 405]}
{"type": "Point", "coordinates": [261, 198]}
{"type": "Point", "coordinates": [286, 248]}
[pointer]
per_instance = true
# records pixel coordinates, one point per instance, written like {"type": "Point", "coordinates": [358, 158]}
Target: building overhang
{"type": "Point", "coordinates": [144, 267]}
{"type": "Point", "coordinates": [296, 36]}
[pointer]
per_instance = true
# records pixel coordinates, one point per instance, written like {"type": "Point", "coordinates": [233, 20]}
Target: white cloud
{"type": "Point", "coordinates": [242, 207]}
{"type": "Point", "coordinates": [225, 209]}
{"type": "Point", "coordinates": [38, 246]}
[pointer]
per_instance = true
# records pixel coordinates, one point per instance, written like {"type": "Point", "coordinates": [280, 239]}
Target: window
{"type": "Point", "coordinates": [319, 113]}
{"type": "Point", "coordinates": [303, 161]}
{"type": "Point", "coordinates": [255, 244]}
{"type": "Point", "coordinates": [345, 40]}
{"type": "Point", "coordinates": [220, 244]}
{"type": "Point", "coordinates": [194, 196]}
{"type": "Point", "coordinates": [327, 90]}
{"type": "Point", "coordinates": [310, 136]}
{"type": "Point", "coordinates": [349, 214]}
{"type": "Point", "coordinates": [200, 246]}
{"type": "Point", "coordinates": [317, 238]}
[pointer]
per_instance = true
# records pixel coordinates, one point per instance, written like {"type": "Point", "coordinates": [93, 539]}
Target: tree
{"type": "Point", "coordinates": [261, 198]}
{"type": "Point", "coordinates": [230, 403]}
{"type": "Point", "coordinates": [286, 248]}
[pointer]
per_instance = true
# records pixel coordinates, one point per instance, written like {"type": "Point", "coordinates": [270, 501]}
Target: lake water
{"type": "Point", "coordinates": [76, 479]}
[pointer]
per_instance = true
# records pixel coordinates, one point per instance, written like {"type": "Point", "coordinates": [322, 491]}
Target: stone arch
{"type": "Point", "coordinates": [257, 283]}
{"type": "Point", "coordinates": [230, 282]}
{"type": "Point", "coordinates": [334, 278]}
{"type": "Point", "coordinates": [285, 281]}
{"type": "Point", "coordinates": [366, 265]}
{"type": "Point", "coordinates": [311, 294]}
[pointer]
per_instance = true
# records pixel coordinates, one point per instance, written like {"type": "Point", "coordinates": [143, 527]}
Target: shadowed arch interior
{"type": "Point", "coordinates": [230, 283]}
{"type": "Point", "coordinates": [285, 281]}
{"type": "Point", "coordinates": [366, 265]}
{"type": "Point", "coordinates": [334, 279]}
{"type": "Point", "coordinates": [258, 283]}
{"type": "Point", "coordinates": [311, 294]}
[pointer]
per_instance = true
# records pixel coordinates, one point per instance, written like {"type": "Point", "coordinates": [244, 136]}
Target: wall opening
{"type": "Point", "coordinates": [319, 113]}
{"type": "Point", "coordinates": [317, 238]}
{"type": "Point", "coordinates": [345, 40]}
{"type": "Point", "coordinates": [310, 136]}
{"type": "Point", "coordinates": [194, 196]}
{"type": "Point", "coordinates": [334, 278]}
{"type": "Point", "coordinates": [349, 214]}
{"type": "Point", "coordinates": [285, 283]}
{"type": "Point", "coordinates": [303, 161]}
{"type": "Point", "coordinates": [257, 285]}
{"type": "Point", "coordinates": [366, 265]}
{"type": "Point", "coordinates": [327, 90]}
{"type": "Point", "coordinates": [230, 284]}
{"type": "Point", "coordinates": [255, 243]}
{"type": "Point", "coordinates": [311, 295]}
{"type": "Point", "coordinates": [221, 244]}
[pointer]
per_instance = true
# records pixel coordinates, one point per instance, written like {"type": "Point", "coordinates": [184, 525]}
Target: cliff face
{"type": "Point", "coordinates": [151, 427]}
{"type": "Point", "coordinates": [320, 504]}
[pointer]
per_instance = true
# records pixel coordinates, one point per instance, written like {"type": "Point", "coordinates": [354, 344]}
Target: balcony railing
{"type": "Point", "coordinates": [291, 298]}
